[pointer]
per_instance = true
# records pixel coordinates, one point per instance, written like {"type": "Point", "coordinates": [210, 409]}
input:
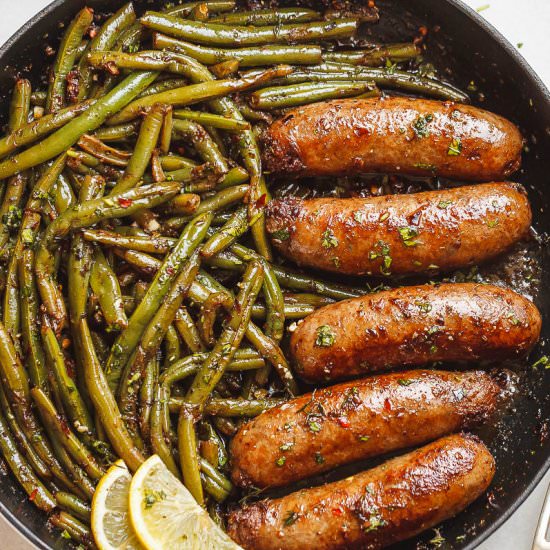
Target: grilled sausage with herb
{"type": "Point", "coordinates": [412, 326]}
{"type": "Point", "coordinates": [401, 234]}
{"type": "Point", "coordinates": [373, 509]}
{"type": "Point", "coordinates": [393, 134]}
{"type": "Point", "coordinates": [317, 432]}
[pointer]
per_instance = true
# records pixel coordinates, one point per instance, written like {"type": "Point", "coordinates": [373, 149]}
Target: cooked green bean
{"type": "Point", "coordinates": [74, 529]}
{"type": "Point", "coordinates": [152, 244]}
{"type": "Point", "coordinates": [105, 153]}
{"type": "Point", "coordinates": [192, 235]}
{"type": "Point", "coordinates": [237, 408]}
{"type": "Point", "coordinates": [216, 121]}
{"type": "Point", "coordinates": [147, 397]}
{"type": "Point", "coordinates": [255, 56]}
{"type": "Point", "coordinates": [207, 318]}
{"type": "Point", "coordinates": [117, 133]}
{"type": "Point", "coordinates": [232, 230]}
{"type": "Point", "coordinates": [214, 6]}
{"type": "Point", "coordinates": [282, 97]}
{"type": "Point", "coordinates": [73, 505]}
{"type": "Point", "coordinates": [188, 453]}
{"type": "Point", "coordinates": [233, 35]}
{"type": "Point", "coordinates": [163, 86]}
{"type": "Point", "coordinates": [186, 327]}
{"type": "Point", "coordinates": [103, 40]}
{"type": "Point", "coordinates": [376, 56]}
{"type": "Point", "coordinates": [66, 57]}
{"type": "Point", "coordinates": [278, 16]}
{"type": "Point", "coordinates": [89, 120]}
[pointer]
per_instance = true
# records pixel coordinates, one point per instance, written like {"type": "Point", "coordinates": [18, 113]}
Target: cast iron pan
{"type": "Point", "coordinates": [467, 49]}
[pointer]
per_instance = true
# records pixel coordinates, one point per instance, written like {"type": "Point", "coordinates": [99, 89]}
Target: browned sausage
{"type": "Point", "coordinates": [393, 134]}
{"type": "Point", "coordinates": [376, 508]}
{"type": "Point", "coordinates": [401, 234]}
{"type": "Point", "coordinates": [356, 420]}
{"type": "Point", "coordinates": [413, 326]}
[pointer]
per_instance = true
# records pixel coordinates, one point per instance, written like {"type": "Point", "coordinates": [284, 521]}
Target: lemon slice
{"type": "Point", "coordinates": [165, 516]}
{"type": "Point", "coordinates": [110, 523]}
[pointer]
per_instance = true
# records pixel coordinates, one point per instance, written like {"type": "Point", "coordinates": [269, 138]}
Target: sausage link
{"type": "Point", "coordinates": [401, 234]}
{"type": "Point", "coordinates": [373, 509]}
{"type": "Point", "coordinates": [414, 325]}
{"type": "Point", "coordinates": [357, 420]}
{"type": "Point", "coordinates": [396, 135]}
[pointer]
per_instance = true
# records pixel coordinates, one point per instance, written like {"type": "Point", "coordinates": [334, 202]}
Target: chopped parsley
{"type": "Point", "coordinates": [290, 518]}
{"type": "Point", "coordinates": [325, 336]}
{"type": "Point", "coordinates": [280, 461]}
{"type": "Point", "coordinates": [455, 147]}
{"type": "Point", "coordinates": [444, 204]}
{"type": "Point", "coordinates": [329, 239]}
{"type": "Point", "coordinates": [408, 236]}
{"type": "Point", "coordinates": [420, 125]}
{"type": "Point", "coordinates": [425, 166]}
{"type": "Point", "coordinates": [314, 426]}
{"type": "Point", "coordinates": [384, 253]}
{"type": "Point", "coordinates": [286, 446]}
{"type": "Point", "coordinates": [404, 382]}
{"type": "Point", "coordinates": [384, 216]}
{"type": "Point", "coordinates": [281, 234]}
{"type": "Point", "coordinates": [544, 361]}
{"type": "Point", "coordinates": [438, 540]}
{"type": "Point", "coordinates": [492, 223]}
{"type": "Point", "coordinates": [374, 523]}
{"type": "Point", "coordinates": [364, 438]}
{"type": "Point", "coordinates": [426, 307]}
{"type": "Point", "coordinates": [152, 497]}
{"type": "Point", "coordinates": [359, 216]}
{"type": "Point", "coordinates": [319, 458]}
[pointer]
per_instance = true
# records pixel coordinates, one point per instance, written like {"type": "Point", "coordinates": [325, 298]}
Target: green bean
{"type": "Point", "coordinates": [152, 244]}
{"type": "Point", "coordinates": [225, 425]}
{"type": "Point", "coordinates": [386, 78]}
{"type": "Point", "coordinates": [231, 231]}
{"type": "Point", "coordinates": [193, 93]}
{"type": "Point", "coordinates": [105, 404]}
{"type": "Point", "coordinates": [215, 475]}
{"type": "Point", "coordinates": [105, 286]}
{"type": "Point", "coordinates": [202, 143]}
{"type": "Point", "coordinates": [33, 131]}
{"type": "Point", "coordinates": [117, 133]}
{"type": "Point", "coordinates": [73, 404]}
{"type": "Point", "coordinates": [207, 318]}
{"type": "Point", "coordinates": [216, 121]}
{"type": "Point", "coordinates": [165, 140]}
{"type": "Point", "coordinates": [39, 495]}
{"type": "Point", "coordinates": [255, 56]}
{"type": "Point", "coordinates": [146, 143]}
{"type": "Point", "coordinates": [66, 57]}
{"type": "Point", "coordinates": [173, 162]}
{"type": "Point", "coordinates": [67, 438]}
{"type": "Point", "coordinates": [226, 346]}
{"type": "Point", "coordinates": [185, 204]}
{"type": "Point", "coordinates": [190, 237]}
{"type": "Point", "coordinates": [91, 119]}
{"type": "Point", "coordinates": [73, 505]}
{"type": "Point", "coordinates": [237, 408]}
{"type": "Point", "coordinates": [23, 442]}
{"type": "Point", "coordinates": [129, 40]}
{"type": "Point", "coordinates": [89, 213]}
{"type": "Point", "coordinates": [104, 40]}
{"type": "Point", "coordinates": [64, 196]}
{"type": "Point", "coordinates": [172, 346]}
{"type": "Point", "coordinates": [16, 387]}
{"type": "Point", "coordinates": [163, 86]}
{"type": "Point", "coordinates": [147, 397]}
{"type": "Point", "coordinates": [221, 200]}
{"type": "Point", "coordinates": [214, 6]}
{"type": "Point", "coordinates": [20, 105]}
{"type": "Point", "coordinates": [188, 453]}
{"type": "Point", "coordinates": [76, 530]}
{"type": "Point", "coordinates": [278, 16]}
{"type": "Point", "coordinates": [233, 35]}
{"type": "Point", "coordinates": [186, 327]}
{"type": "Point", "coordinates": [375, 56]}
{"type": "Point", "coordinates": [225, 68]}
{"type": "Point", "coordinates": [151, 340]}
{"type": "Point", "coordinates": [105, 153]}
{"type": "Point", "coordinates": [141, 261]}
{"type": "Point", "coordinates": [281, 97]}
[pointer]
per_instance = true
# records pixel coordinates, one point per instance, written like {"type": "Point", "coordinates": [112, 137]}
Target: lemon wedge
{"type": "Point", "coordinates": [165, 516]}
{"type": "Point", "coordinates": [110, 522]}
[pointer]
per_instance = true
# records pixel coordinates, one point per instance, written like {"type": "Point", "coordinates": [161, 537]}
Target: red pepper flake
{"type": "Point", "coordinates": [66, 430]}
{"type": "Point", "coordinates": [170, 270]}
{"type": "Point", "coordinates": [337, 511]}
{"type": "Point", "coordinates": [387, 404]}
{"type": "Point", "coordinates": [262, 201]}
{"type": "Point", "coordinates": [32, 496]}
{"type": "Point", "coordinates": [343, 421]}
{"type": "Point", "coordinates": [125, 203]}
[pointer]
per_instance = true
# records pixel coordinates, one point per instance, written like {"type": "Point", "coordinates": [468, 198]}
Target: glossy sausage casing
{"type": "Point", "coordinates": [412, 326]}
{"type": "Point", "coordinates": [356, 420]}
{"type": "Point", "coordinates": [396, 135]}
{"type": "Point", "coordinates": [376, 508]}
{"type": "Point", "coordinates": [401, 234]}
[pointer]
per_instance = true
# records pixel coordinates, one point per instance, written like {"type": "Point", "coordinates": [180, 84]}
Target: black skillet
{"type": "Point", "coordinates": [469, 50]}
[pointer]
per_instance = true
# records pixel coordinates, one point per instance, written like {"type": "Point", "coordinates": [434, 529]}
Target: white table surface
{"type": "Point", "coordinates": [525, 23]}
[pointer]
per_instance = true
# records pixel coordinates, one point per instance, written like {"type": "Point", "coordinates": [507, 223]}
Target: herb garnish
{"type": "Point", "coordinates": [455, 147]}
{"type": "Point", "coordinates": [329, 239]}
{"type": "Point", "coordinates": [325, 336]}
{"type": "Point", "coordinates": [408, 235]}
{"type": "Point", "coordinates": [290, 518]}
{"type": "Point", "coordinates": [281, 234]}
{"type": "Point", "coordinates": [420, 125]}
{"type": "Point", "coordinates": [384, 254]}
{"type": "Point", "coordinates": [544, 361]}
